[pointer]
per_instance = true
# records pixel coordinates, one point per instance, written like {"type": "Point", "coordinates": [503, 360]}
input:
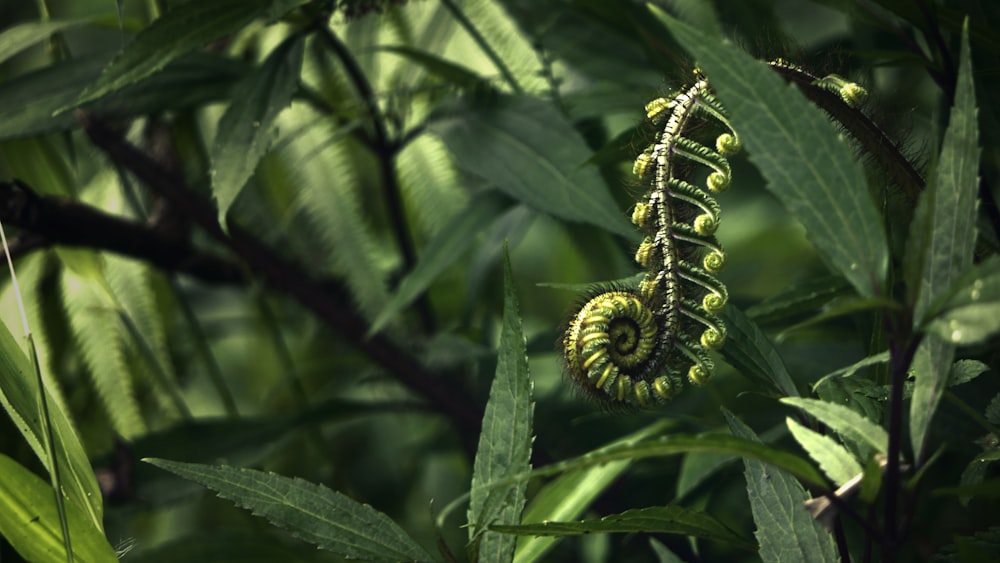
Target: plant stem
{"type": "Point", "coordinates": [902, 347]}
{"type": "Point", "coordinates": [385, 151]}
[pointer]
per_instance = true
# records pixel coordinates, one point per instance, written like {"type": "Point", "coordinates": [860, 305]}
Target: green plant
{"type": "Point", "coordinates": [260, 246]}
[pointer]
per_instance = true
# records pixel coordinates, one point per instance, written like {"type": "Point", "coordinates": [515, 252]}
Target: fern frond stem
{"type": "Point", "coordinates": [385, 151]}
{"type": "Point", "coordinates": [162, 377]}
{"type": "Point", "coordinates": [874, 141]}
{"type": "Point", "coordinates": [201, 345]}
{"type": "Point", "coordinates": [483, 44]}
{"type": "Point", "coordinates": [327, 303]}
{"type": "Point", "coordinates": [43, 405]}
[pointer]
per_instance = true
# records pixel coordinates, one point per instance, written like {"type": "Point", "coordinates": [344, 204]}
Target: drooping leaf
{"type": "Point", "coordinates": [19, 37]}
{"type": "Point", "coordinates": [785, 530]}
{"type": "Point", "coordinates": [945, 247]}
{"type": "Point", "coordinates": [838, 464]}
{"type": "Point", "coordinates": [749, 350]}
{"type": "Point", "coordinates": [180, 31]}
{"type": "Point", "coordinates": [313, 513]}
{"type": "Point", "coordinates": [567, 496]}
{"type": "Point", "coordinates": [28, 102]}
{"type": "Point", "coordinates": [30, 522]}
{"type": "Point", "coordinates": [528, 150]}
{"type": "Point", "coordinates": [808, 166]}
{"type": "Point", "coordinates": [860, 431]}
{"type": "Point", "coordinates": [670, 519]}
{"type": "Point", "coordinates": [450, 244]}
{"type": "Point", "coordinates": [505, 442]}
{"type": "Point", "coordinates": [247, 128]}
{"type": "Point", "coordinates": [971, 313]}
{"type": "Point", "coordinates": [800, 298]}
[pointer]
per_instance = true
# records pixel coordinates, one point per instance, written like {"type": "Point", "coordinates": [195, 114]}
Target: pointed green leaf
{"type": "Point", "coordinates": [567, 496]}
{"type": "Point", "coordinates": [505, 442]}
{"type": "Point", "coordinates": [19, 397]}
{"type": "Point", "coordinates": [808, 166]}
{"type": "Point", "coordinates": [247, 128]}
{"type": "Point", "coordinates": [785, 530]}
{"type": "Point", "coordinates": [656, 519]}
{"type": "Point", "coordinates": [30, 522]}
{"type": "Point", "coordinates": [946, 248]}
{"type": "Point", "coordinates": [971, 313]}
{"type": "Point", "coordinates": [527, 149]}
{"type": "Point", "coordinates": [838, 464]}
{"type": "Point", "coordinates": [749, 350]}
{"type": "Point", "coordinates": [180, 31]}
{"type": "Point", "coordinates": [325, 518]}
{"type": "Point", "coordinates": [443, 250]}
{"type": "Point", "coordinates": [855, 428]}
{"type": "Point", "coordinates": [19, 37]}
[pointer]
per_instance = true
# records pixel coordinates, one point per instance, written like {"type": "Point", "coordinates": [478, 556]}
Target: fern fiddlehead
{"type": "Point", "coordinates": [633, 346]}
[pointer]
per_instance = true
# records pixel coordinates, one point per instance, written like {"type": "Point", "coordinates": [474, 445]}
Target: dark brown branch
{"type": "Point", "coordinates": [51, 221]}
{"type": "Point", "coordinates": [289, 278]}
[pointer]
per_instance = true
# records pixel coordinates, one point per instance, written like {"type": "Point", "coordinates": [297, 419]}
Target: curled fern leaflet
{"type": "Point", "coordinates": [634, 346]}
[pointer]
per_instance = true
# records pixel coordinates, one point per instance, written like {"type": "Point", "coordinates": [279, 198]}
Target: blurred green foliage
{"type": "Point", "coordinates": [269, 234]}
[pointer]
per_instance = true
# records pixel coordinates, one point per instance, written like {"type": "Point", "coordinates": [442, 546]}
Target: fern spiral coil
{"type": "Point", "coordinates": [633, 346]}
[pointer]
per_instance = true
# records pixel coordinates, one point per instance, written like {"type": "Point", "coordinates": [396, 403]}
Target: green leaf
{"type": "Point", "coordinates": [247, 128]}
{"type": "Point", "coordinates": [656, 519]}
{"type": "Point", "coordinates": [229, 547]}
{"type": "Point", "coordinates": [19, 397]}
{"type": "Point", "coordinates": [749, 350]}
{"type": "Point", "coordinates": [838, 464]}
{"type": "Point", "coordinates": [28, 102]}
{"type": "Point", "coordinates": [945, 249]}
{"type": "Point", "coordinates": [17, 38]}
{"type": "Point", "coordinates": [799, 298]}
{"type": "Point", "coordinates": [684, 443]}
{"type": "Point", "coordinates": [785, 530]}
{"type": "Point", "coordinates": [101, 336]}
{"type": "Point", "coordinates": [30, 522]}
{"type": "Point", "coordinates": [505, 442]}
{"type": "Point", "coordinates": [964, 371]}
{"type": "Point", "coordinates": [971, 312]}
{"type": "Point", "coordinates": [180, 31]}
{"type": "Point", "coordinates": [528, 150]}
{"type": "Point", "coordinates": [808, 166]}
{"type": "Point", "coordinates": [440, 67]}
{"type": "Point", "coordinates": [852, 426]}
{"type": "Point", "coordinates": [567, 496]}
{"type": "Point", "coordinates": [443, 250]}
{"type": "Point", "coordinates": [313, 513]}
